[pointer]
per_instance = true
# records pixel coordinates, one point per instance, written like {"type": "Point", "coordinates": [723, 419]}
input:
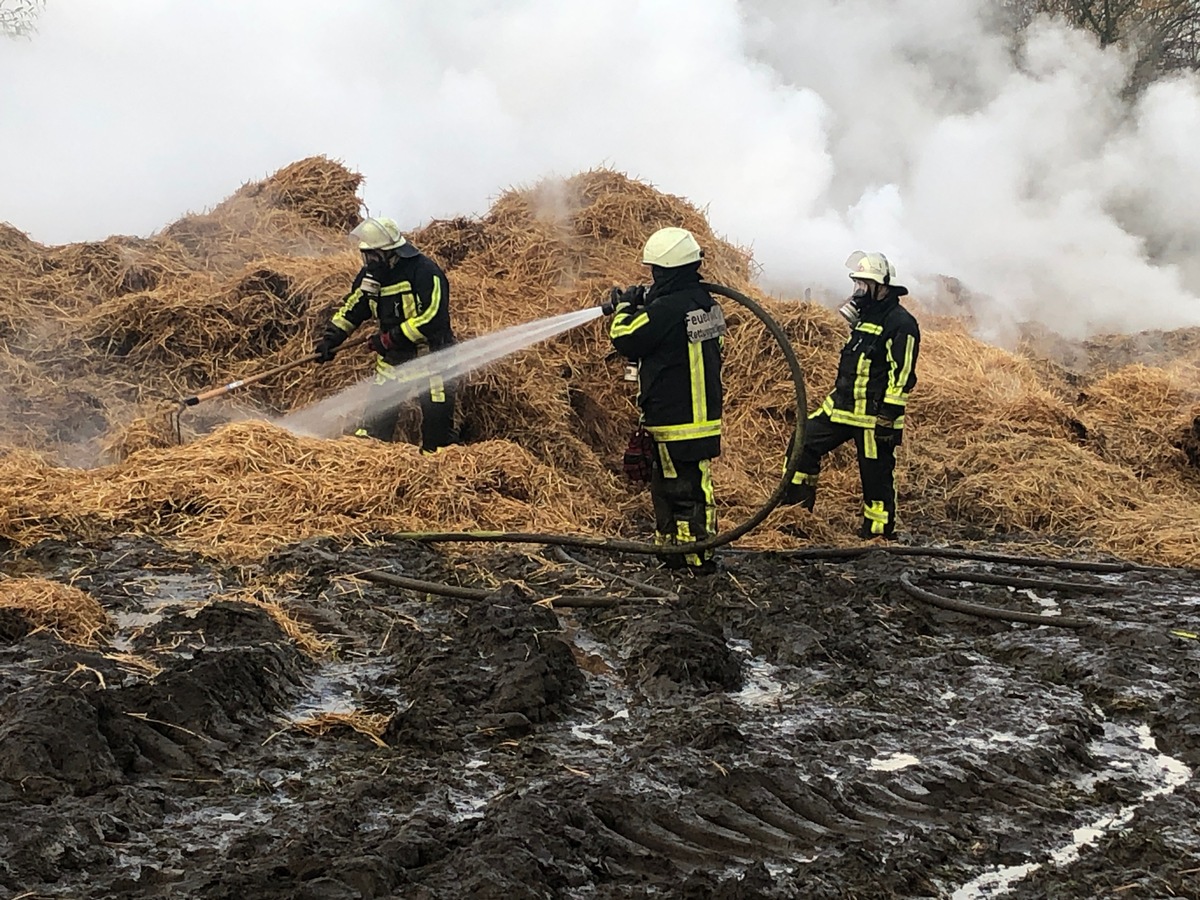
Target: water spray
{"type": "Point", "coordinates": [232, 386]}
{"type": "Point", "coordinates": [407, 381]}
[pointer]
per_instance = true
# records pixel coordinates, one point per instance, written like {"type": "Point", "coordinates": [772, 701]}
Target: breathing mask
{"type": "Point", "coordinates": [851, 310]}
{"type": "Point", "coordinates": [376, 263]}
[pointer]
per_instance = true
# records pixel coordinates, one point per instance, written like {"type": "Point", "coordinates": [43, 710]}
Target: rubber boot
{"type": "Point", "coordinates": [800, 495]}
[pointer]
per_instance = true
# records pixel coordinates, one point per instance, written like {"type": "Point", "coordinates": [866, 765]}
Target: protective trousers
{"type": "Point", "coordinates": [437, 410]}
{"type": "Point", "coordinates": [876, 471]}
{"type": "Point", "coordinates": [684, 508]}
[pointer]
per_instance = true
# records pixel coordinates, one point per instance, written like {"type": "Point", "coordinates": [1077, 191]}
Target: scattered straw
{"type": "Point", "coordinates": [67, 612]}
{"type": "Point", "coordinates": [304, 636]}
{"type": "Point", "coordinates": [373, 725]}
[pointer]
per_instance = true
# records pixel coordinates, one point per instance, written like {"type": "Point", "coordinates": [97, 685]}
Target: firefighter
{"type": "Point", "coordinates": [673, 331]}
{"type": "Point", "coordinates": [876, 373]}
{"type": "Point", "coordinates": [409, 296]}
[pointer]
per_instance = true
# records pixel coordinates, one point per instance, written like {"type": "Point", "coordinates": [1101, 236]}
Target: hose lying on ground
{"type": "Point", "coordinates": [647, 588]}
{"type": "Point", "coordinates": [1014, 581]}
{"type": "Point", "coordinates": [1076, 565]}
{"type": "Point", "coordinates": [989, 612]}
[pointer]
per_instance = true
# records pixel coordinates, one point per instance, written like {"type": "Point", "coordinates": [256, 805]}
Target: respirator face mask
{"type": "Point", "coordinates": [375, 262]}
{"type": "Point", "coordinates": [851, 310]}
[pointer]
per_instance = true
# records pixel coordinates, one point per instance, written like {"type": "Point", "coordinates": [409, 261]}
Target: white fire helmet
{"type": "Point", "coordinates": [870, 267]}
{"type": "Point", "coordinates": [378, 234]}
{"type": "Point", "coordinates": [671, 247]}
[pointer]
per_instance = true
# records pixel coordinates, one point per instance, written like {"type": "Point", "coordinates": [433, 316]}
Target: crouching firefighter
{"type": "Point", "coordinates": [673, 331]}
{"type": "Point", "coordinates": [876, 373]}
{"type": "Point", "coordinates": [409, 296]}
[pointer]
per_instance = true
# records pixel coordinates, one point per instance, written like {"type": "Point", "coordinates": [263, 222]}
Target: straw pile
{"type": "Point", "coordinates": [65, 611]}
{"type": "Point", "coordinates": [101, 340]}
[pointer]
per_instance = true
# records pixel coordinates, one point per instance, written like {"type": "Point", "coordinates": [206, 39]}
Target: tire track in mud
{"type": "Point", "coordinates": [786, 731]}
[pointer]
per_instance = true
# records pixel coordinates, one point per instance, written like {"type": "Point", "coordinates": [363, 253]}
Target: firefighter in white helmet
{"type": "Point", "coordinates": [876, 373]}
{"type": "Point", "coordinates": [673, 330]}
{"type": "Point", "coordinates": [408, 295]}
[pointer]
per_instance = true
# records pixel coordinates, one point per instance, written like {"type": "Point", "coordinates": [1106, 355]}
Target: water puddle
{"type": "Point", "coordinates": [761, 685]}
{"type": "Point", "coordinates": [157, 596]}
{"type": "Point", "coordinates": [893, 762]}
{"type": "Point", "coordinates": [1130, 753]}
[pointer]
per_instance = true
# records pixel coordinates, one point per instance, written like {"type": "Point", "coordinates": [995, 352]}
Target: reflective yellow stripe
{"type": "Point", "coordinates": [683, 534]}
{"type": "Point", "coordinates": [869, 328]}
{"type": "Point", "coordinates": [437, 389]}
{"type": "Point", "coordinates": [400, 287]}
{"type": "Point", "coordinates": [685, 432]}
{"type": "Point", "coordinates": [874, 513]}
{"type": "Point", "coordinates": [860, 385]}
{"type": "Point", "coordinates": [339, 318]}
{"type": "Point", "coordinates": [435, 303]}
{"type": "Point", "coordinates": [386, 372]}
{"type": "Point", "coordinates": [870, 448]}
{"type": "Point", "coordinates": [710, 502]}
{"type": "Point", "coordinates": [846, 418]}
{"type": "Point", "coordinates": [699, 392]}
{"type": "Point", "coordinates": [623, 325]}
{"type": "Point", "coordinates": [664, 459]}
{"type": "Point", "coordinates": [895, 393]}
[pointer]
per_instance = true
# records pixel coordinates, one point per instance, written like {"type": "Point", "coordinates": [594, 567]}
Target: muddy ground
{"type": "Point", "coordinates": [786, 728]}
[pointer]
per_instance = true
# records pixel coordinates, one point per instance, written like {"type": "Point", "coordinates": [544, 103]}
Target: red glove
{"type": "Point", "coordinates": [639, 455]}
{"type": "Point", "coordinates": [381, 343]}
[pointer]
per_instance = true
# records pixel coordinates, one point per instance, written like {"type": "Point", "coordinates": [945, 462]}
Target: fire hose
{"type": "Point", "coordinates": [760, 514]}
{"type": "Point", "coordinates": [627, 546]}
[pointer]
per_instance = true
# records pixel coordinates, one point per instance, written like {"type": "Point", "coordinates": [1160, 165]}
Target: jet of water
{"type": "Point", "coordinates": [326, 417]}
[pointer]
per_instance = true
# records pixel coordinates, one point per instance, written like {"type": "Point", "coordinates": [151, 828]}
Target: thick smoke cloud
{"type": "Point", "coordinates": [807, 130]}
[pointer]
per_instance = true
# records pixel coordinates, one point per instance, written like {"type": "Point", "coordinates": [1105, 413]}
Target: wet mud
{"type": "Point", "coordinates": [782, 729]}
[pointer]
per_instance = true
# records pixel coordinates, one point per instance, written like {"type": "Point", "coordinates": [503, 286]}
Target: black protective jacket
{"type": "Point", "coordinates": [413, 307]}
{"type": "Point", "coordinates": [878, 366]}
{"type": "Point", "coordinates": [675, 338]}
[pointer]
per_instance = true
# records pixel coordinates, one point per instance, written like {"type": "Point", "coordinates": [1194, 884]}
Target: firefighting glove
{"type": "Point", "coordinates": [887, 433]}
{"type": "Point", "coordinates": [635, 295]}
{"type": "Point", "coordinates": [381, 343]}
{"type": "Point", "coordinates": [326, 347]}
{"type": "Point", "coordinates": [639, 456]}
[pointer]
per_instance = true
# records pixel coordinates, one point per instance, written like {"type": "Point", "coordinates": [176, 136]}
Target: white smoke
{"type": "Point", "coordinates": [806, 130]}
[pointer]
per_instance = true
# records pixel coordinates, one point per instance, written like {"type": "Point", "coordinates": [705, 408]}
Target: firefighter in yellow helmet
{"type": "Point", "coordinates": [876, 373]}
{"type": "Point", "coordinates": [408, 295]}
{"type": "Point", "coordinates": [673, 330]}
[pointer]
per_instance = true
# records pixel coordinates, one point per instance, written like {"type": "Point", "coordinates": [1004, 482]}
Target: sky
{"type": "Point", "coordinates": [805, 130]}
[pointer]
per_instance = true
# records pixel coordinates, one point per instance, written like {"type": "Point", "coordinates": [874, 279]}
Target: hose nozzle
{"type": "Point", "coordinates": [609, 306]}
